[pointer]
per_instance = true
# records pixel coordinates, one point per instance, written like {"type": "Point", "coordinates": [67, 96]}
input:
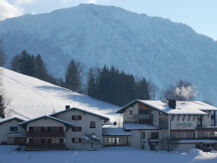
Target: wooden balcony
{"type": "Point", "coordinates": [208, 128]}
{"type": "Point", "coordinates": [46, 146]}
{"type": "Point", "coordinates": [143, 116]}
{"type": "Point", "coordinates": [45, 134]}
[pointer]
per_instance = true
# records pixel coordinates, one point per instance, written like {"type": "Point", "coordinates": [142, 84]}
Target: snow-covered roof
{"type": "Point", "coordinates": [189, 141]}
{"type": "Point", "coordinates": [9, 119]}
{"type": "Point", "coordinates": [49, 117]}
{"type": "Point", "coordinates": [115, 131]}
{"type": "Point", "coordinates": [139, 127]}
{"type": "Point", "coordinates": [85, 111]}
{"type": "Point", "coordinates": [182, 107]}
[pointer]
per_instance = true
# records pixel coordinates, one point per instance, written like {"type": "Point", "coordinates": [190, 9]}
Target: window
{"type": "Point", "coordinates": [186, 135]}
{"type": "Point", "coordinates": [145, 121]}
{"type": "Point", "coordinates": [144, 111]}
{"type": "Point", "coordinates": [131, 112]}
{"type": "Point", "coordinates": [13, 128]}
{"type": "Point", "coordinates": [30, 141]}
{"type": "Point", "coordinates": [92, 124]}
{"type": "Point", "coordinates": [143, 135]}
{"type": "Point", "coordinates": [76, 140]}
{"type": "Point", "coordinates": [76, 117]}
{"type": "Point", "coordinates": [61, 140]}
{"type": "Point", "coordinates": [49, 129]}
{"type": "Point", "coordinates": [60, 129]}
{"type": "Point", "coordinates": [154, 135]}
{"type": "Point", "coordinates": [30, 129]}
{"type": "Point", "coordinates": [49, 140]}
{"type": "Point", "coordinates": [76, 128]}
{"type": "Point", "coordinates": [42, 141]}
{"type": "Point", "coordinates": [42, 129]}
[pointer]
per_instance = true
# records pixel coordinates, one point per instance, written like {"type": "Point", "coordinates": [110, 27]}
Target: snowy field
{"type": "Point", "coordinates": [29, 97]}
{"type": "Point", "coordinates": [105, 155]}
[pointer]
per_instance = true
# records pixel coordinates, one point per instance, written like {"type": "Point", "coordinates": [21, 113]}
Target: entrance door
{"type": "Point", "coordinates": [152, 146]}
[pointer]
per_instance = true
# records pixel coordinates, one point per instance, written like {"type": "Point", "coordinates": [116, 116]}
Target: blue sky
{"type": "Point", "coordinates": [201, 15]}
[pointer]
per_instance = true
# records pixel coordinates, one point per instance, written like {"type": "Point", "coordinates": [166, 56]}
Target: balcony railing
{"type": "Point", "coordinates": [208, 128]}
{"type": "Point", "coordinates": [143, 116]}
{"type": "Point", "coordinates": [45, 134]}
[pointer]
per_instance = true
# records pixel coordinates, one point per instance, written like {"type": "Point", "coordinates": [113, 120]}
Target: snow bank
{"type": "Point", "coordinates": [105, 155]}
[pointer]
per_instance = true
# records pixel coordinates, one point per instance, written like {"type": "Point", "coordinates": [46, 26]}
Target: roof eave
{"type": "Point", "coordinates": [127, 105]}
{"type": "Point", "coordinates": [63, 111]}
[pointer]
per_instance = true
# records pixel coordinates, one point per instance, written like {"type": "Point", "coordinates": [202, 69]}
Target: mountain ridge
{"type": "Point", "coordinates": [151, 47]}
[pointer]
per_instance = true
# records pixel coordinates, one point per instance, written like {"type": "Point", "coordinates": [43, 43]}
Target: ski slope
{"type": "Point", "coordinates": [28, 97]}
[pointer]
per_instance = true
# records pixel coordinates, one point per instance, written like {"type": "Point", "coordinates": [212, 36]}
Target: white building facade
{"type": "Point", "coordinates": [149, 125]}
{"type": "Point", "coordinates": [11, 133]}
{"type": "Point", "coordinates": [71, 128]}
{"type": "Point", "coordinates": [170, 125]}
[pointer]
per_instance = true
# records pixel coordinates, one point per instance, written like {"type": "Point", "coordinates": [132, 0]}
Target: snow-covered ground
{"type": "Point", "coordinates": [105, 155]}
{"type": "Point", "coordinates": [29, 97]}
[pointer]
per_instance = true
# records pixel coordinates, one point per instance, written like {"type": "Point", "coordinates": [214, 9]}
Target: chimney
{"type": "Point", "coordinates": [67, 107]}
{"type": "Point", "coordinates": [172, 103]}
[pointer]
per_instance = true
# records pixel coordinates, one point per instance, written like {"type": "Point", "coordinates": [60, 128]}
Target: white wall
{"type": "Point", "coordinates": [126, 114]}
{"type": "Point", "coordinates": [5, 129]}
{"type": "Point", "coordinates": [155, 114]}
{"type": "Point", "coordinates": [134, 139]}
{"type": "Point", "coordinates": [84, 123]}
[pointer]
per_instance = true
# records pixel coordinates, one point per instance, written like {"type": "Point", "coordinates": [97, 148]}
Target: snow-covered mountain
{"type": "Point", "coordinates": [160, 50]}
{"type": "Point", "coordinates": [28, 97]}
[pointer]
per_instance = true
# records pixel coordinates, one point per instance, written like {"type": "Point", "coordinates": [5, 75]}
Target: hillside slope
{"type": "Point", "coordinates": [153, 47]}
{"type": "Point", "coordinates": [29, 97]}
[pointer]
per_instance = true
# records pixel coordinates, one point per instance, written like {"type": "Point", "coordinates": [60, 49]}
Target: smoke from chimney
{"type": "Point", "coordinates": [186, 92]}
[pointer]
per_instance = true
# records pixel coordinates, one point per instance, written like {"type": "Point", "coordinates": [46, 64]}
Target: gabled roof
{"type": "Point", "coordinates": [84, 111]}
{"type": "Point", "coordinates": [66, 123]}
{"type": "Point", "coordinates": [10, 119]}
{"type": "Point", "coordinates": [182, 107]}
{"type": "Point", "coordinates": [128, 105]}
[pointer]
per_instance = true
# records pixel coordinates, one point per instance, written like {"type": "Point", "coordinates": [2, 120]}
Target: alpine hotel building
{"type": "Point", "coordinates": [149, 125]}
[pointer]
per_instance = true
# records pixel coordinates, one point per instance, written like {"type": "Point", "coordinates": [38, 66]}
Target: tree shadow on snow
{"type": "Point", "coordinates": [84, 99]}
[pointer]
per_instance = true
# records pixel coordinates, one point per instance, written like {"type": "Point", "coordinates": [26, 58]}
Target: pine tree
{"type": "Point", "coordinates": [116, 87]}
{"type": "Point", "coordinates": [2, 56]}
{"type": "Point", "coordinates": [40, 70]}
{"type": "Point", "coordinates": [15, 63]}
{"type": "Point", "coordinates": [142, 89]}
{"type": "Point", "coordinates": [33, 66]}
{"type": "Point", "coordinates": [91, 90]}
{"type": "Point", "coordinates": [23, 63]}
{"type": "Point", "coordinates": [73, 78]}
